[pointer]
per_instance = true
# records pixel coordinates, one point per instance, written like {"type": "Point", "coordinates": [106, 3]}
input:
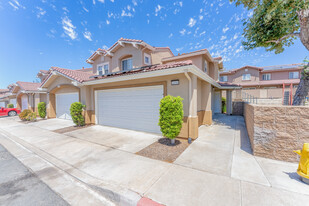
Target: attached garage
{"type": "Point", "coordinates": [63, 104]}
{"type": "Point", "coordinates": [24, 102]}
{"type": "Point", "coordinates": [135, 108]}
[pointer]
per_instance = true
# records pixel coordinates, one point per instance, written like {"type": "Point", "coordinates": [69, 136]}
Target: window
{"type": "Point", "coordinates": [126, 64]}
{"type": "Point", "coordinates": [246, 77]}
{"type": "Point", "coordinates": [205, 66]}
{"type": "Point", "coordinates": [293, 75]}
{"type": "Point", "coordinates": [146, 58]}
{"type": "Point", "coordinates": [266, 77]}
{"type": "Point", "coordinates": [103, 69]}
{"type": "Point", "coordinates": [223, 78]}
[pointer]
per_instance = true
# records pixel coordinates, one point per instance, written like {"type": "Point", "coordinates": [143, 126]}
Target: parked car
{"type": "Point", "coordinates": [9, 111]}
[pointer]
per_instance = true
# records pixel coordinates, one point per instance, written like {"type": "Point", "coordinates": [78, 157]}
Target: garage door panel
{"type": "Point", "coordinates": [63, 104]}
{"type": "Point", "coordinates": [131, 108]}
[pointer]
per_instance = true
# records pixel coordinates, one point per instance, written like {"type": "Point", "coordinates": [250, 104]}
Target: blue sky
{"type": "Point", "coordinates": [39, 34]}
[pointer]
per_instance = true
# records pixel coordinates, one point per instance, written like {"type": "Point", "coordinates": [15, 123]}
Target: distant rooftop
{"type": "Point", "coordinates": [285, 66]}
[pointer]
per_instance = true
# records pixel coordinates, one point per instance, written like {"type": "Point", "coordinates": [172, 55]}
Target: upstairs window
{"type": "Point", "coordinates": [246, 77]}
{"type": "Point", "coordinates": [266, 77]}
{"type": "Point", "coordinates": [205, 66]}
{"type": "Point", "coordinates": [126, 64]}
{"type": "Point", "coordinates": [223, 79]}
{"type": "Point", "coordinates": [146, 59]}
{"type": "Point", "coordinates": [103, 69]}
{"type": "Point", "coordinates": [293, 75]}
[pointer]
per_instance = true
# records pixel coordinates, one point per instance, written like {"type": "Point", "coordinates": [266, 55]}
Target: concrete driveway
{"type": "Point", "coordinates": [101, 161]}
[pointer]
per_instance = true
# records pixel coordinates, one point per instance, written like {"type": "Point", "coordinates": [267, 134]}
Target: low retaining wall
{"type": "Point", "coordinates": [275, 131]}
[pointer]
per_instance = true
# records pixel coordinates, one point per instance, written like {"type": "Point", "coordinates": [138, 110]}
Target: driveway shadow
{"type": "Point", "coordinates": [294, 176]}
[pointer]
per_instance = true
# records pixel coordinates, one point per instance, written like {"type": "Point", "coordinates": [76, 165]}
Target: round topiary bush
{"type": "Point", "coordinates": [76, 111]}
{"type": "Point", "coordinates": [42, 109]}
{"type": "Point", "coordinates": [10, 105]}
{"type": "Point", "coordinates": [24, 114]}
{"type": "Point", "coordinates": [171, 116]}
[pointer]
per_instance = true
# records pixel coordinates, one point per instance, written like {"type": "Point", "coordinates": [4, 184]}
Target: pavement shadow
{"type": "Point", "coordinates": [294, 176]}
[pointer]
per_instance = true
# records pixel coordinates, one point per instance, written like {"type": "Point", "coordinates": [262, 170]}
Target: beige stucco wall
{"type": "Point", "coordinates": [158, 55]}
{"type": "Point", "coordinates": [58, 81]}
{"type": "Point", "coordinates": [275, 131]}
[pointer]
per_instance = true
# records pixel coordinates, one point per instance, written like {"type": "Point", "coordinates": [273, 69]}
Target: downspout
{"type": "Point", "coordinates": [189, 98]}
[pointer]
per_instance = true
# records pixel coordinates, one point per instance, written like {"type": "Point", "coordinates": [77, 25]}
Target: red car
{"type": "Point", "coordinates": [9, 111]}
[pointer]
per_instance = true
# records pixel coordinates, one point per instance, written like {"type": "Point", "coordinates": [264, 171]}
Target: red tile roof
{"type": "Point", "coordinates": [74, 74]}
{"type": "Point", "coordinates": [85, 69]}
{"type": "Point", "coordinates": [28, 86]}
{"type": "Point", "coordinates": [144, 69]}
{"type": "Point", "coordinates": [4, 90]}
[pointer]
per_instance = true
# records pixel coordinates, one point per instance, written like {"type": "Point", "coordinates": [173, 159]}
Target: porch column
{"type": "Point", "coordinates": [51, 109]}
{"type": "Point", "coordinates": [229, 102]}
{"type": "Point", "coordinates": [206, 104]}
{"type": "Point", "coordinates": [193, 118]}
{"type": "Point", "coordinates": [85, 98]}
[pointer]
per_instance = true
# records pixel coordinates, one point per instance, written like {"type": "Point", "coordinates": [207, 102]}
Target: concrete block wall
{"type": "Point", "coordinates": [275, 131]}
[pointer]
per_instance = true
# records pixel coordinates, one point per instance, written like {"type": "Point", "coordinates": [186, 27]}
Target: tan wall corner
{"type": "Point", "coordinates": [89, 116]}
{"type": "Point", "coordinates": [193, 127]}
{"type": "Point", "coordinates": [52, 106]}
{"type": "Point", "coordinates": [184, 132]}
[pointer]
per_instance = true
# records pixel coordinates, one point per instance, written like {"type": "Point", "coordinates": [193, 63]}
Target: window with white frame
{"type": "Point", "coordinates": [266, 77]}
{"type": "Point", "coordinates": [223, 78]}
{"type": "Point", "coordinates": [205, 66]}
{"type": "Point", "coordinates": [103, 69]}
{"type": "Point", "coordinates": [246, 77]}
{"type": "Point", "coordinates": [293, 75]}
{"type": "Point", "coordinates": [147, 59]}
{"type": "Point", "coordinates": [126, 64]}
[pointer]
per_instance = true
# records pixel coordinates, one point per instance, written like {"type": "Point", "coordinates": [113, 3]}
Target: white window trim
{"type": "Point", "coordinates": [223, 78]}
{"type": "Point", "coordinates": [206, 64]}
{"type": "Point", "coordinates": [293, 75]}
{"type": "Point", "coordinates": [124, 60]}
{"type": "Point", "coordinates": [246, 79]}
{"type": "Point", "coordinates": [147, 55]}
{"type": "Point", "coordinates": [265, 75]}
{"type": "Point", "coordinates": [102, 65]}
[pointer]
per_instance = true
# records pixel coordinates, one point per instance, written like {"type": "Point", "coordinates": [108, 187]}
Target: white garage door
{"type": "Point", "coordinates": [63, 104]}
{"type": "Point", "coordinates": [13, 101]}
{"type": "Point", "coordinates": [24, 102]}
{"type": "Point", "coordinates": [134, 108]}
{"type": "Point", "coordinates": [217, 104]}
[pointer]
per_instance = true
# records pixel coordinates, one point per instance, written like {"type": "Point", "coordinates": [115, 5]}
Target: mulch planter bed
{"type": "Point", "coordinates": [71, 129]}
{"type": "Point", "coordinates": [163, 150]}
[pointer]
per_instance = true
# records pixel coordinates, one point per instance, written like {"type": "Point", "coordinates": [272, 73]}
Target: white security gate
{"type": "Point", "coordinates": [217, 103]}
{"type": "Point", "coordinates": [135, 108]}
{"type": "Point", "coordinates": [63, 104]}
{"type": "Point", "coordinates": [24, 102]}
{"type": "Point", "coordinates": [13, 101]}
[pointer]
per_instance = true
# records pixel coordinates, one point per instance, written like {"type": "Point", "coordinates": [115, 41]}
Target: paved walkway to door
{"type": "Point", "coordinates": [216, 169]}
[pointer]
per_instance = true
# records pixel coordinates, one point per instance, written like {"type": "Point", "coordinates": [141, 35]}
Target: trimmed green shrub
{"type": "Point", "coordinates": [223, 105]}
{"type": "Point", "coordinates": [24, 114]}
{"type": "Point", "coordinates": [10, 105]}
{"type": "Point", "coordinates": [42, 109]}
{"type": "Point", "coordinates": [31, 117]}
{"type": "Point", "coordinates": [76, 111]}
{"type": "Point", "coordinates": [171, 116]}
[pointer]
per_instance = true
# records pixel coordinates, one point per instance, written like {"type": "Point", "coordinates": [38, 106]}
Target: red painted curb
{"type": "Point", "coordinates": [147, 202]}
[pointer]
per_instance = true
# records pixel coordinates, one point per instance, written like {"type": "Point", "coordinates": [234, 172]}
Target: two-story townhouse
{"type": "Point", "coordinates": [127, 82]}
{"type": "Point", "coordinates": [268, 82]}
{"type": "Point", "coordinates": [3, 97]}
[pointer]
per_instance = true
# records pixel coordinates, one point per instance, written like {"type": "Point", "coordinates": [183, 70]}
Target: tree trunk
{"type": "Point", "coordinates": [302, 90]}
{"type": "Point", "coordinates": [303, 17]}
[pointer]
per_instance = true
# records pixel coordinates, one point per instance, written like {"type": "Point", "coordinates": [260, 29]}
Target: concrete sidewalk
{"type": "Point", "coordinates": [218, 164]}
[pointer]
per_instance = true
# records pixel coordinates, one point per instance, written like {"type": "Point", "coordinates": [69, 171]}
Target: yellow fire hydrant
{"type": "Point", "coordinates": [303, 167]}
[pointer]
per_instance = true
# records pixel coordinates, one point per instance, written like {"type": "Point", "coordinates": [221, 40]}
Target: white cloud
{"type": "Point", "coordinates": [203, 33]}
{"type": "Point", "coordinates": [225, 29]}
{"type": "Point", "coordinates": [41, 12]}
{"type": "Point", "coordinates": [192, 22]}
{"type": "Point", "coordinates": [183, 32]}
{"type": "Point", "coordinates": [124, 13]}
{"type": "Point", "coordinates": [108, 22]}
{"type": "Point", "coordinates": [65, 9]}
{"type": "Point", "coordinates": [170, 36]}
{"type": "Point", "coordinates": [69, 28]}
{"type": "Point", "coordinates": [93, 1]}
{"type": "Point", "coordinates": [112, 1]}
{"type": "Point", "coordinates": [16, 5]}
{"type": "Point", "coordinates": [86, 10]}
{"type": "Point", "coordinates": [200, 17]}
{"type": "Point", "coordinates": [235, 36]}
{"type": "Point", "coordinates": [179, 49]}
{"type": "Point", "coordinates": [102, 1]}
{"type": "Point", "coordinates": [157, 9]}
{"type": "Point", "coordinates": [87, 35]}
{"type": "Point", "coordinates": [134, 2]}
{"type": "Point", "coordinates": [222, 38]}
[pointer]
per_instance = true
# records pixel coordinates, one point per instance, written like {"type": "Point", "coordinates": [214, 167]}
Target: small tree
{"type": "Point", "coordinates": [24, 114]}
{"type": "Point", "coordinates": [76, 111]}
{"type": "Point", "coordinates": [171, 116]}
{"type": "Point", "coordinates": [42, 109]}
{"type": "Point", "coordinates": [10, 105]}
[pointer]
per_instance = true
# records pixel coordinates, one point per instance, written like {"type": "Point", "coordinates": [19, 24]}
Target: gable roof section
{"type": "Point", "coordinates": [233, 71]}
{"type": "Point", "coordinates": [28, 86]}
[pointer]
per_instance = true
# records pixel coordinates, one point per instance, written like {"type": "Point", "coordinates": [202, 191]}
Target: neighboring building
{"type": "Point", "coordinates": [127, 81]}
{"type": "Point", "coordinates": [264, 82]}
{"type": "Point", "coordinates": [3, 97]}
